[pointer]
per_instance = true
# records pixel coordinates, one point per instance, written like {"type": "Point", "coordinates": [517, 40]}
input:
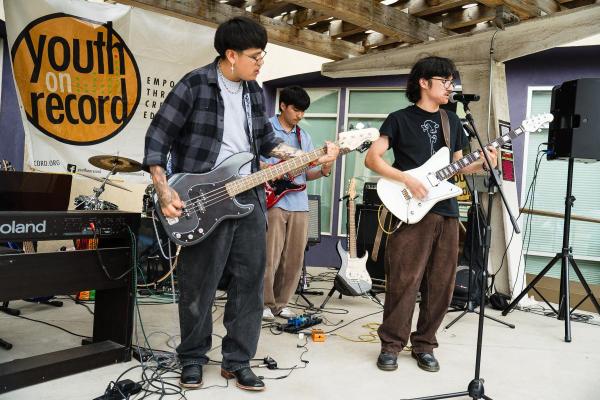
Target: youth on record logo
{"type": "Point", "coordinates": [78, 80]}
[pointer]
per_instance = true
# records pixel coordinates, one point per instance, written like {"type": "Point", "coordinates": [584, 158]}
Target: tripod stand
{"type": "Point", "coordinates": [475, 388]}
{"type": "Point", "coordinates": [479, 217]}
{"type": "Point", "coordinates": [302, 284]}
{"type": "Point", "coordinates": [566, 258]}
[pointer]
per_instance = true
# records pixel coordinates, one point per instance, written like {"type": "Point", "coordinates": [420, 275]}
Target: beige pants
{"type": "Point", "coordinates": [286, 240]}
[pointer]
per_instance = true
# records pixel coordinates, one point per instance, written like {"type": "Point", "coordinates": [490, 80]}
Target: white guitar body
{"type": "Point", "coordinates": [353, 275]}
{"type": "Point", "coordinates": [400, 201]}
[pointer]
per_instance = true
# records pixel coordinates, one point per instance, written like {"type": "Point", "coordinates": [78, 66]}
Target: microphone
{"type": "Point", "coordinates": [463, 98]}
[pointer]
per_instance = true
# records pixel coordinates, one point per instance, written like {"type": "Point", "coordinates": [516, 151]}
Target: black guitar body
{"type": "Point", "coordinates": [207, 201]}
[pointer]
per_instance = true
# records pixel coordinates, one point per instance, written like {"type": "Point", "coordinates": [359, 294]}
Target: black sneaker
{"type": "Point", "coordinates": [387, 361]}
{"type": "Point", "coordinates": [426, 361]}
{"type": "Point", "coordinates": [191, 376]}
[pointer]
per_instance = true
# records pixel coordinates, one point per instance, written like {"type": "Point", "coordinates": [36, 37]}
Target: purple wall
{"type": "Point", "coordinates": [12, 135]}
{"type": "Point", "coordinates": [547, 68]}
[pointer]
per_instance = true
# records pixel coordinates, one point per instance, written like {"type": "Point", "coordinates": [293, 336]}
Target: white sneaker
{"type": "Point", "coordinates": [286, 313]}
{"type": "Point", "coordinates": [268, 315]}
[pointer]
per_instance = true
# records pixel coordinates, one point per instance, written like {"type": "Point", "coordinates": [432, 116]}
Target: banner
{"type": "Point", "coordinates": [91, 76]}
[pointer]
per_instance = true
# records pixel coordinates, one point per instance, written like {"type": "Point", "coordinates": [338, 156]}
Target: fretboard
{"type": "Point", "coordinates": [351, 228]}
{"type": "Point", "coordinates": [268, 174]}
{"type": "Point", "coordinates": [456, 166]}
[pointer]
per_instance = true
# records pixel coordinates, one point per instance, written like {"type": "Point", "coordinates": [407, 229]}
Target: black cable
{"type": "Point", "coordinates": [530, 192]}
{"type": "Point", "coordinates": [54, 326]}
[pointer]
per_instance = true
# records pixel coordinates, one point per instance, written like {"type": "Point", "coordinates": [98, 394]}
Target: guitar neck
{"type": "Point", "coordinates": [302, 161]}
{"type": "Point", "coordinates": [453, 168]}
{"type": "Point", "coordinates": [351, 228]}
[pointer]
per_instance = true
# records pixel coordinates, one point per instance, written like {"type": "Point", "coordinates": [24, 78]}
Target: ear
{"type": "Point", "coordinates": [231, 56]}
{"type": "Point", "coordinates": [424, 83]}
{"type": "Point", "coordinates": [282, 106]}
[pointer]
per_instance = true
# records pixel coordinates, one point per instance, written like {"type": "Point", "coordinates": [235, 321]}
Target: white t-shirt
{"type": "Point", "coordinates": [235, 123]}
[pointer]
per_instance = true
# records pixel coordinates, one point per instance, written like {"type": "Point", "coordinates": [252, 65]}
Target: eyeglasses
{"type": "Point", "coordinates": [257, 58]}
{"type": "Point", "coordinates": [447, 83]}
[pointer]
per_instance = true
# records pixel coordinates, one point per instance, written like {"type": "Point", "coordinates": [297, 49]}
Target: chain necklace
{"type": "Point", "coordinates": [225, 80]}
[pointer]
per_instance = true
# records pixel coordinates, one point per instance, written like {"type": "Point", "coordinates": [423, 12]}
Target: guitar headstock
{"type": "Point", "coordinates": [357, 139]}
{"type": "Point", "coordinates": [537, 122]}
{"type": "Point", "coordinates": [5, 165]}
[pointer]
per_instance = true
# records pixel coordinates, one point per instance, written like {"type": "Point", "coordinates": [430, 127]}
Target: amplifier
{"type": "Point", "coordinates": [370, 196]}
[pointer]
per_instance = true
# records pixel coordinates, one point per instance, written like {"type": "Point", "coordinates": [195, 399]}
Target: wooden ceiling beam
{"type": "Point", "coordinates": [472, 48]}
{"type": "Point", "coordinates": [371, 14]}
{"type": "Point", "coordinates": [421, 8]}
{"type": "Point", "coordinates": [211, 13]}
{"type": "Point", "coordinates": [470, 16]}
{"type": "Point", "coordinates": [376, 39]}
{"type": "Point", "coordinates": [307, 17]}
{"type": "Point", "coordinates": [340, 29]}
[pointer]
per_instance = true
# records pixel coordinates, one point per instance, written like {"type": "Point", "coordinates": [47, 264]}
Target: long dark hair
{"type": "Point", "coordinates": [427, 68]}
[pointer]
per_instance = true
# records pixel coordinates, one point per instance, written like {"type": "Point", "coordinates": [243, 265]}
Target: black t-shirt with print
{"type": "Point", "coordinates": [415, 135]}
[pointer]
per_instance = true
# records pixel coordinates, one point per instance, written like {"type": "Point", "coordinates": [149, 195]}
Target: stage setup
{"type": "Point", "coordinates": [96, 229]}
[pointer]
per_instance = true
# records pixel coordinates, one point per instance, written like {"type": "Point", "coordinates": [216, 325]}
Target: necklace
{"type": "Point", "coordinates": [225, 80]}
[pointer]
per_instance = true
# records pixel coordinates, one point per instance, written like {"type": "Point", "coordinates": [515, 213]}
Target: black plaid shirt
{"type": "Point", "coordinates": [189, 124]}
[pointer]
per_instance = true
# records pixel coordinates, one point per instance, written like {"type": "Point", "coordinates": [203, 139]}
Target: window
{"type": "Point", "coordinates": [545, 234]}
{"type": "Point", "coordinates": [320, 121]}
{"type": "Point", "coordinates": [366, 108]}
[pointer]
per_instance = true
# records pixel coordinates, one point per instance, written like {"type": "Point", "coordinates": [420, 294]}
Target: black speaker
{"type": "Point", "coordinates": [366, 229]}
{"type": "Point", "coordinates": [575, 130]}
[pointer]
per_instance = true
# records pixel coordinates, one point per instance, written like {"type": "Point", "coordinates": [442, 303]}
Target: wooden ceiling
{"type": "Point", "coordinates": [339, 29]}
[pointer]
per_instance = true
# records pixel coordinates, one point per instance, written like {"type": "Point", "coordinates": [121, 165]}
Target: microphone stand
{"type": "Point", "coordinates": [475, 389]}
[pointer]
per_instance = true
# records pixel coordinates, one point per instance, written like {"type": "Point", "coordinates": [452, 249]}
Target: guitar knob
{"type": "Point", "coordinates": [178, 235]}
{"type": "Point", "coordinates": [190, 236]}
{"type": "Point", "coordinates": [201, 231]}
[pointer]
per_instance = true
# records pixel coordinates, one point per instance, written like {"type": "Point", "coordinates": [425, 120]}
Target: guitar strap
{"type": "Point", "coordinates": [299, 136]}
{"type": "Point", "coordinates": [446, 129]}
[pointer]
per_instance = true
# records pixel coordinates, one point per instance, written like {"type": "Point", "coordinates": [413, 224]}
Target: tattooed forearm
{"type": "Point", "coordinates": [284, 151]}
{"type": "Point", "coordinates": [159, 179]}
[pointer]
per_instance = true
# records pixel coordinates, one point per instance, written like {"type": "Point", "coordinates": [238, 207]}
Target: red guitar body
{"type": "Point", "coordinates": [277, 189]}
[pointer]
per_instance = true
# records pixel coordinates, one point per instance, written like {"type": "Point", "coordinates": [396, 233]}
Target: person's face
{"type": "Point", "coordinates": [291, 114]}
{"type": "Point", "coordinates": [247, 63]}
{"type": "Point", "coordinates": [437, 88]}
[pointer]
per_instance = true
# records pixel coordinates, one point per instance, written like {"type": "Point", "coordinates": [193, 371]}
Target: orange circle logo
{"type": "Point", "coordinates": [78, 81]}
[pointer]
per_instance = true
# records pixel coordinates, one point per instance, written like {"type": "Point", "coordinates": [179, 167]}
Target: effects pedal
{"type": "Point", "coordinates": [297, 324]}
{"type": "Point", "coordinates": [318, 335]}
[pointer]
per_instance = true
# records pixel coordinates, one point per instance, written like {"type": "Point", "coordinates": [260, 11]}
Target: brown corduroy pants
{"type": "Point", "coordinates": [286, 241]}
{"type": "Point", "coordinates": [420, 257]}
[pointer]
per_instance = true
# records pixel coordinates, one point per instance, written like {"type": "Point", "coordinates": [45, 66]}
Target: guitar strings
{"type": "Point", "coordinates": [215, 196]}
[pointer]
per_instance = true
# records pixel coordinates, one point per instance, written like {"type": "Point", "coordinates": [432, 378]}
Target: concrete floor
{"type": "Point", "coordinates": [529, 362]}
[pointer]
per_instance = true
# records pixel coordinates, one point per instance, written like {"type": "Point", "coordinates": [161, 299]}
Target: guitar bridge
{"type": "Point", "coordinates": [406, 194]}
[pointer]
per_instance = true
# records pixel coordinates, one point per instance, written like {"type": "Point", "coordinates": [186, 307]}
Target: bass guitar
{"type": "Point", "coordinates": [434, 174]}
{"type": "Point", "coordinates": [209, 198]}
{"type": "Point", "coordinates": [352, 279]}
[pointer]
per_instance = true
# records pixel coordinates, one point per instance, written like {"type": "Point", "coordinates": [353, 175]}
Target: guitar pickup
{"type": "Point", "coordinates": [432, 179]}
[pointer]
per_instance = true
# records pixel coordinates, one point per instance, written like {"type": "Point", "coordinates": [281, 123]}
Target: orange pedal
{"type": "Point", "coordinates": [318, 335]}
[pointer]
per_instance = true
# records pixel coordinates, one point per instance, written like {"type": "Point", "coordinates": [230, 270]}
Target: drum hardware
{"type": "Point", "coordinates": [113, 164]}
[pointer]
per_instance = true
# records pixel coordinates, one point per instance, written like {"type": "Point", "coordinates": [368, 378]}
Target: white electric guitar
{"type": "Point", "coordinates": [352, 279]}
{"type": "Point", "coordinates": [434, 174]}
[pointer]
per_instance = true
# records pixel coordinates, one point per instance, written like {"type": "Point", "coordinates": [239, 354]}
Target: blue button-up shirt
{"type": "Point", "coordinates": [292, 201]}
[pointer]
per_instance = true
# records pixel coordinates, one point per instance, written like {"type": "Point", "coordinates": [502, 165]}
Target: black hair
{"type": "Point", "coordinates": [427, 68]}
{"type": "Point", "coordinates": [294, 96]}
{"type": "Point", "coordinates": [239, 34]}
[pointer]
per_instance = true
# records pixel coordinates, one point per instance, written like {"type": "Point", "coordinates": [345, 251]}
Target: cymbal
{"type": "Point", "coordinates": [120, 164]}
{"type": "Point", "coordinates": [108, 182]}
